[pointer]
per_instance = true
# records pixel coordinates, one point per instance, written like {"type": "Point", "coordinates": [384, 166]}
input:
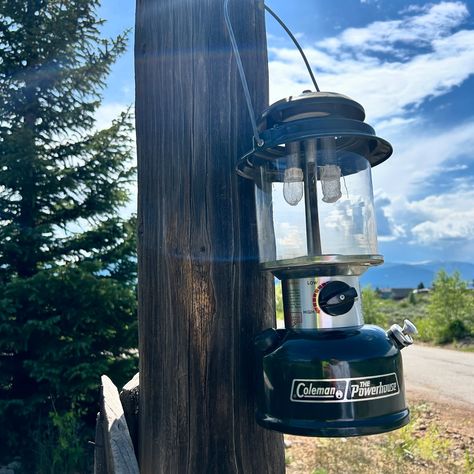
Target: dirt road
{"type": "Point", "coordinates": [440, 374]}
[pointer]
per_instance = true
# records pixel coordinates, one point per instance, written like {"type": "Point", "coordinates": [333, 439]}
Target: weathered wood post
{"type": "Point", "coordinates": [201, 296]}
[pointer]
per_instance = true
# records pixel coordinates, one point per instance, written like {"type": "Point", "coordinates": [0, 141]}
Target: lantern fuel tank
{"type": "Point", "coordinates": [326, 373]}
{"type": "Point", "coordinates": [333, 382]}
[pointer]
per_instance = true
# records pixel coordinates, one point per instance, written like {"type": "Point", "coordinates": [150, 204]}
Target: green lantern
{"type": "Point", "coordinates": [327, 373]}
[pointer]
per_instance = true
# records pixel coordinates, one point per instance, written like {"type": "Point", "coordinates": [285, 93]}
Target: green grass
{"type": "Point", "coordinates": [423, 446]}
{"type": "Point", "coordinates": [278, 302]}
{"type": "Point", "coordinates": [469, 462]}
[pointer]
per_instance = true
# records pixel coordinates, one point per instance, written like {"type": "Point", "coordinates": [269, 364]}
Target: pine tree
{"type": "Point", "coordinates": [67, 259]}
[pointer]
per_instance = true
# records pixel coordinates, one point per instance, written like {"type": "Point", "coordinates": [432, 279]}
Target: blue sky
{"type": "Point", "coordinates": [411, 65]}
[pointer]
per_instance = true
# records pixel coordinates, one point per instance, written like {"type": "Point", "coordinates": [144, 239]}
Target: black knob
{"type": "Point", "coordinates": [337, 298]}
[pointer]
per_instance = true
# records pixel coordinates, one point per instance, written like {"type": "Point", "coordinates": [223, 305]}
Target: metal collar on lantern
{"type": "Point", "coordinates": [314, 115]}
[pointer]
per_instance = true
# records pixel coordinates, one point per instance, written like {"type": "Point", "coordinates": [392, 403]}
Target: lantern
{"type": "Point", "coordinates": [326, 373]}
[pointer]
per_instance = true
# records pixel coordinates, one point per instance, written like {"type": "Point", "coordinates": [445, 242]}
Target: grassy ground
{"type": "Point", "coordinates": [439, 440]}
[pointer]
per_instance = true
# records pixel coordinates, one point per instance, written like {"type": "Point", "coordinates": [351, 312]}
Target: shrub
{"type": "Point", "coordinates": [371, 307]}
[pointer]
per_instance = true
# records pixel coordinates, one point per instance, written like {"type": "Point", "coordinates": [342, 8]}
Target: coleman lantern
{"type": "Point", "coordinates": [326, 373]}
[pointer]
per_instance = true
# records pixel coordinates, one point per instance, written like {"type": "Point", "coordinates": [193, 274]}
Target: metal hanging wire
{"type": "Point", "coordinates": [258, 141]}
{"type": "Point", "coordinates": [295, 41]}
{"type": "Point", "coordinates": [243, 78]}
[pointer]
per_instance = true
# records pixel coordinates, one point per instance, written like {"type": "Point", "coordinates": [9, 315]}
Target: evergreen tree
{"type": "Point", "coordinates": [67, 259]}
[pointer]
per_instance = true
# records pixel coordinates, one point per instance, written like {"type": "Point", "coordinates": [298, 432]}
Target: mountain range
{"type": "Point", "coordinates": [410, 275]}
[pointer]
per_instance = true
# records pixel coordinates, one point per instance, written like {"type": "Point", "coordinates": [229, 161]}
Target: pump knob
{"type": "Point", "coordinates": [402, 336]}
{"type": "Point", "coordinates": [409, 328]}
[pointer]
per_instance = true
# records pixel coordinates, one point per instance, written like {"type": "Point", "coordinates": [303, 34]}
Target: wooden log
{"type": "Point", "coordinates": [130, 396]}
{"type": "Point", "coordinates": [100, 456]}
{"type": "Point", "coordinates": [117, 445]}
{"type": "Point", "coordinates": [202, 298]}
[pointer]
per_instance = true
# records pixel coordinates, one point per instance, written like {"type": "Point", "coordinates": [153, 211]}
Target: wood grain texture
{"type": "Point", "coordinates": [100, 456]}
{"type": "Point", "coordinates": [130, 396]}
{"type": "Point", "coordinates": [202, 298]}
{"type": "Point", "coordinates": [119, 454]}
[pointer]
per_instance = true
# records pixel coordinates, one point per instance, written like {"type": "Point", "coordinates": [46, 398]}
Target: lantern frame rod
{"type": "Point", "coordinates": [313, 234]}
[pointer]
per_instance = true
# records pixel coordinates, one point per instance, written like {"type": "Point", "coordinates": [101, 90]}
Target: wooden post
{"type": "Point", "coordinates": [114, 452]}
{"type": "Point", "coordinates": [201, 296]}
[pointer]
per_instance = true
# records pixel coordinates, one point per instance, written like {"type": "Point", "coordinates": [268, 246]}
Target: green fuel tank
{"type": "Point", "coordinates": [331, 382]}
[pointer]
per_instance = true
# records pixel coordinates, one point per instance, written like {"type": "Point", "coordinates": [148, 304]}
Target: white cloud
{"type": "Point", "coordinates": [419, 155]}
{"type": "Point", "coordinates": [444, 217]}
{"type": "Point", "coordinates": [108, 112]}
{"type": "Point", "coordinates": [387, 228]}
{"type": "Point", "coordinates": [389, 88]}
{"type": "Point", "coordinates": [443, 214]}
{"type": "Point", "coordinates": [290, 240]}
{"type": "Point", "coordinates": [433, 22]}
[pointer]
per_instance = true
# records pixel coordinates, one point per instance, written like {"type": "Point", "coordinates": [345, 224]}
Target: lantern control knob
{"type": "Point", "coordinates": [337, 298]}
{"type": "Point", "coordinates": [402, 336]}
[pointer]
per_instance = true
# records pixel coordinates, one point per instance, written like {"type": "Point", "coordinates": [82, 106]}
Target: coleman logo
{"type": "Point", "coordinates": [344, 390]}
{"type": "Point", "coordinates": [317, 390]}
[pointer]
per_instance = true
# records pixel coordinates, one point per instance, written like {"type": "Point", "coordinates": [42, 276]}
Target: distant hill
{"type": "Point", "coordinates": [409, 275]}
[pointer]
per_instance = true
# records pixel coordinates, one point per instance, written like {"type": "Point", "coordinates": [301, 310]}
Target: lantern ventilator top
{"type": "Point", "coordinates": [315, 209]}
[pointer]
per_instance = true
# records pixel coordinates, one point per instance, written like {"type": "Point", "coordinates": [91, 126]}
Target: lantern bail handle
{"type": "Point", "coordinates": [258, 141]}
{"type": "Point", "coordinates": [298, 46]}
{"type": "Point", "coordinates": [243, 79]}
